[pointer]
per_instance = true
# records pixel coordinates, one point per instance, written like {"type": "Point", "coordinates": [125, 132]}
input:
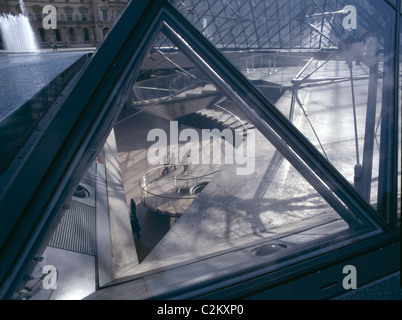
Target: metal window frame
{"type": "Point", "coordinates": [39, 189]}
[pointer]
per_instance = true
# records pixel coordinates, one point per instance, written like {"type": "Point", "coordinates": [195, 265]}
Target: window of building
{"type": "Point", "coordinates": [38, 14]}
{"type": "Point", "coordinates": [104, 14]}
{"type": "Point", "coordinates": [83, 14]}
{"type": "Point", "coordinates": [85, 34]}
{"type": "Point", "coordinates": [57, 34]}
{"type": "Point", "coordinates": [72, 34]}
{"type": "Point", "coordinates": [42, 35]}
{"type": "Point", "coordinates": [69, 14]}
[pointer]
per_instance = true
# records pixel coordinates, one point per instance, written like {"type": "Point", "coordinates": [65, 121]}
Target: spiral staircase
{"type": "Point", "coordinates": [186, 96]}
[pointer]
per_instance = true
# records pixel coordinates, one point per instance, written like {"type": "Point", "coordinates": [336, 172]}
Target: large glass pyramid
{"type": "Point", "coordinates": [185, 163]}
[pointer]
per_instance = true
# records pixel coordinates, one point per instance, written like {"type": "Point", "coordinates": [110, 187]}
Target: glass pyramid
{"type": "Point", "coordinates": [180, 162]}
{"type": "Point", "coordinates": [197, 179]}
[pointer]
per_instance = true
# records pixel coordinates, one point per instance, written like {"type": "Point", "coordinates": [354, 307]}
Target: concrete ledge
{"type": "Point", "coordinates": [103, 240]}
{"type": "Point", "coordinates": [18, 125]}
{"type": "Point", "coordinates": [124, 253]}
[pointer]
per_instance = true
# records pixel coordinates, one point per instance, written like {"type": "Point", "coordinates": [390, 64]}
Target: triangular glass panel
{"type": "Point", "coordinates": [323, 64]}
{"type": "Point", "coordinates": [187, 175]}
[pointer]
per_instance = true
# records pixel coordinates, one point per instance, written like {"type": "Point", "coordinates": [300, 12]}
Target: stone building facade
{"type": "Point", "coordinates": [80, 23]}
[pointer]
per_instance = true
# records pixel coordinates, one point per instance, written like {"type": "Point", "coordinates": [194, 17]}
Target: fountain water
{"type": "Point", "coordinates": [17, 33]}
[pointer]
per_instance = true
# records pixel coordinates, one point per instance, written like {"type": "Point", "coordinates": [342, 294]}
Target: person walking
{"type": "Point", "coordinates": [173, 161]}
{"type": "Point", "coordinates": [135, 225]}
{"type": "Point", "coordinates": [166, 166]}
{"type": "Point", "coordinates": [185, 163]}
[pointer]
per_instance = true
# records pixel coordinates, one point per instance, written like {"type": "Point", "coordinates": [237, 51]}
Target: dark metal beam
{"type": "Point", "coordinates": [70, 142]}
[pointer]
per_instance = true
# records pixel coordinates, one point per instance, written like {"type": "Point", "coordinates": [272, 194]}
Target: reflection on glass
{"type": "Point", "coordinates": [185, 175]}
{"type": "Point", "coordinates": [322, 63]}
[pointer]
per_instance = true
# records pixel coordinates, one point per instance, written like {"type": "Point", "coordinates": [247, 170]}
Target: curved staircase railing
{"type": "Point", "coordinates": [175, 200]}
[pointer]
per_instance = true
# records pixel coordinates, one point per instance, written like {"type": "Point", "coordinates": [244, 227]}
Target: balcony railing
{"type": "Point", "coordinates": [175, 189]}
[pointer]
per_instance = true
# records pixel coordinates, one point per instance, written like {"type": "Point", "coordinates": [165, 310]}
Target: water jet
{"type": "Point", "coordinates": [17, 33]}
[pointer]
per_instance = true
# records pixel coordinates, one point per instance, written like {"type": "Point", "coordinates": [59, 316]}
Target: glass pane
{"type": "Point", "coordinates": [65, 266]}
{"type": "Point", "coordinates": [322, 63]}
{"type": "Point", "coordinates": [186, 174]}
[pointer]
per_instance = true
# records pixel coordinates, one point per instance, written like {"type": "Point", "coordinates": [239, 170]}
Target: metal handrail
{"type": "Point", "coordinates": [173, 204]}
{"type": "Point", "coordinates": [186, 182]}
